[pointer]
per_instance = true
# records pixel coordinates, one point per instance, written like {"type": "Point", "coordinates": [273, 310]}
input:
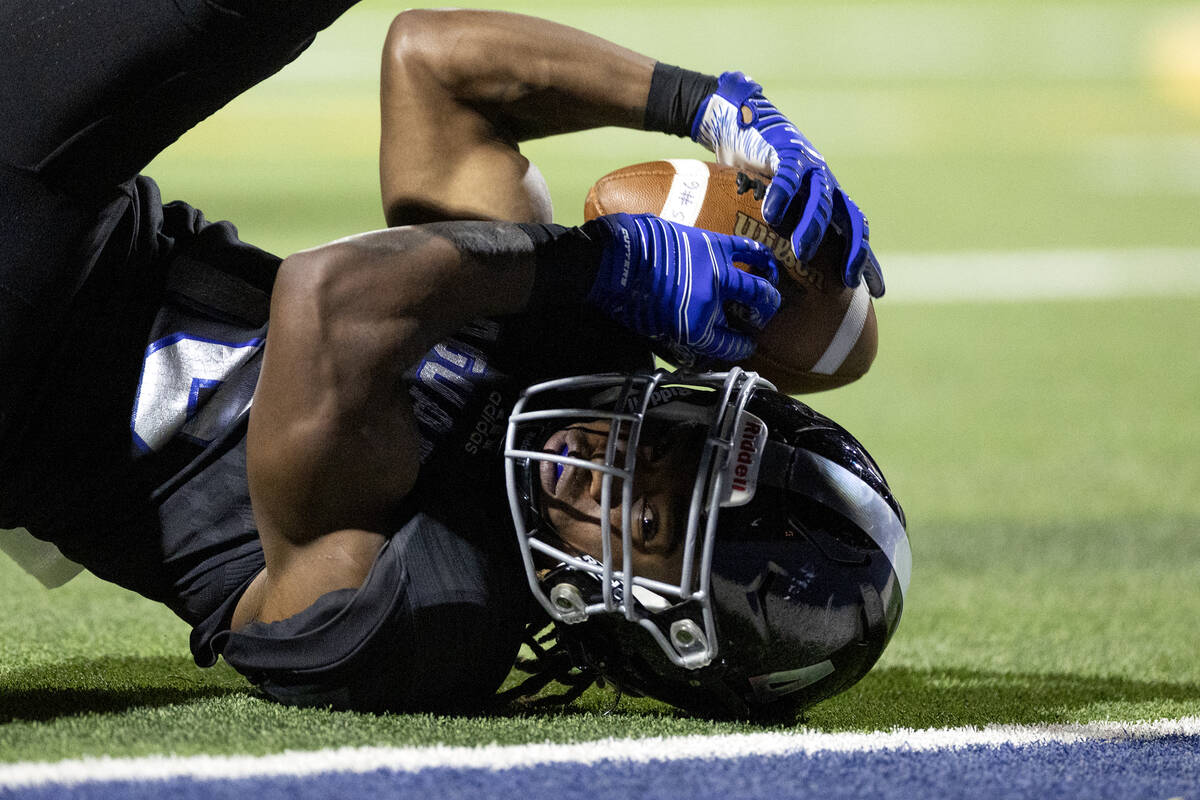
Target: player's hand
{"type": "Point", "coordinates": [858, 258]}
{"type": "Point", "coordinates": [670, 283]}
{"type": "Point", "coordinates": [745, 130]}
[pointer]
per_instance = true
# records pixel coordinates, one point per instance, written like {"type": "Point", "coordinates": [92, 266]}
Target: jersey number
{"type": "Point", "coordinates": [185, 389]}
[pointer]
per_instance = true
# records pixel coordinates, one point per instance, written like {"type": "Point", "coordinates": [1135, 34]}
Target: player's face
{"type": "Point", "coordinates": [662, 489]}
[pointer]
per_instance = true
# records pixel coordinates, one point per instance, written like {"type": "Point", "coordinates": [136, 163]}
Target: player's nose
{"type": "Point", "coordinates": [596, 488]}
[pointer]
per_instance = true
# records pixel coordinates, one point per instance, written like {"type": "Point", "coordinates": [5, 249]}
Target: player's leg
{"type": "Point", "coordinates": [92, 91]}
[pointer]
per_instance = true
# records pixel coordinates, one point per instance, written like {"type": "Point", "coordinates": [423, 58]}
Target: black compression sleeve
{"type": "Point", "coordinates": [567, 260]}
{"type": "Point", "coordinates": [675, 97]}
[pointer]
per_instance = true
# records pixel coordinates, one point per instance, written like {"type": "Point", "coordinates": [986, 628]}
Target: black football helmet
{"type": "Point", "coordinates": [796, 558]}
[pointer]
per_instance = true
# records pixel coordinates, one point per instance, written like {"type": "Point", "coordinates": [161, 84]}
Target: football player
{"type": "Point", "coordinates": [326, 505]}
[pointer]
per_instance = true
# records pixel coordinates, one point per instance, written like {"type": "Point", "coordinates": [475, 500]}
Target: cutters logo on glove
{"type": "Point", "coordinates": [628, 257]}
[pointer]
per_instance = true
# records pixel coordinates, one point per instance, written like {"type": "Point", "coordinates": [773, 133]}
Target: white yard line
{"type": "Point", "coordinates": [413, 759]}
{"type": "Point", "coordinates": [1041, 274]}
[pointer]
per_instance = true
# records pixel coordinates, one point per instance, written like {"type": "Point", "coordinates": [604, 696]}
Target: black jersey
{"type": "Point", "coordinates": [138, 400]}
{"type": "Point", "coordinates": [438, 620]}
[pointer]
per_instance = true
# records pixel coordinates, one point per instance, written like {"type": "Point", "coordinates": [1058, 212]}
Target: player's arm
{"type": "Point", "coordinates": [332, 449]}
{"type": "Point", "coordinates": [460, 89]}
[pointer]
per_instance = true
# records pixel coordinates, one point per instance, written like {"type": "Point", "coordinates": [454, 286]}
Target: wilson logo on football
{"type": "Point", "coordinates": [741, 471]}
{"type": "Point", "coordinates": [751, 228]}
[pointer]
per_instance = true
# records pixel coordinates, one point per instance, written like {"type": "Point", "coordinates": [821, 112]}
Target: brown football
{"type": "Point", "coordinates": [824, 334]}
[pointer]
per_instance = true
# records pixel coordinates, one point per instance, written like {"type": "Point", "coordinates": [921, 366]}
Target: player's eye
{"type": "Point", "coordinates": [649, 522]}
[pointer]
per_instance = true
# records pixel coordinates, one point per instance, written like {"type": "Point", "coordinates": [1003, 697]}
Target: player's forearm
{"type": "Point", "coordinates": [416, 285]}
{"type": "Point", "coordinates": [460, 89]}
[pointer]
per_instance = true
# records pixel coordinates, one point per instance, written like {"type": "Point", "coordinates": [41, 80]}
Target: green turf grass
{"type": "Point", "coordinates": [1054, 521]}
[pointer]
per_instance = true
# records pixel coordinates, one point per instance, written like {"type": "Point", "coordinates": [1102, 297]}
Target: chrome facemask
{"type": "Point", "coordinates": [725, 476]}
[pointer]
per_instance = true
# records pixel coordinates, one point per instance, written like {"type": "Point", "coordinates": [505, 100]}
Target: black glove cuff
{"type": "Point", "coordinates": [567, 260]}
{"type": "Point", "coordinates": [675, 98]}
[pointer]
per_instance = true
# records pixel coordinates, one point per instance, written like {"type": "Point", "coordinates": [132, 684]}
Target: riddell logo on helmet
{"type": "Point", "coordinates": [746, 455]}
{"type": "Point", "coordinates": [744, 460]}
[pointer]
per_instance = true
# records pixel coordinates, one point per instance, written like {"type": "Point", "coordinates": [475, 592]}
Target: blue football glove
{"type": "Point", "coordinates": [670, 283]}
{"type": "Point", "coordinates": [745, 130]}
{"type": "Point", "coordinates": [858, 258]}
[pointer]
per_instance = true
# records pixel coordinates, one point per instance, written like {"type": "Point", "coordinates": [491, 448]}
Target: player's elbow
{"type": "Point", "coordinates": [455, 52]}
{"type": "Point", "coordinates": [416, 43]}
{"type": "Point", "coordinates": [302, 295]}
{"type": "Point", "coordinates": [305, 334]}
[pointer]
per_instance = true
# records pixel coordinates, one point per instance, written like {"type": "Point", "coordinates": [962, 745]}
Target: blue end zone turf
{"type": "Point", "coordinates": [1160, 768]}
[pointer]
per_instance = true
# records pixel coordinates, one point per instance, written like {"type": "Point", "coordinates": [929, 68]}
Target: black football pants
{"type": "Point", "coordinates": [92, 90]}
